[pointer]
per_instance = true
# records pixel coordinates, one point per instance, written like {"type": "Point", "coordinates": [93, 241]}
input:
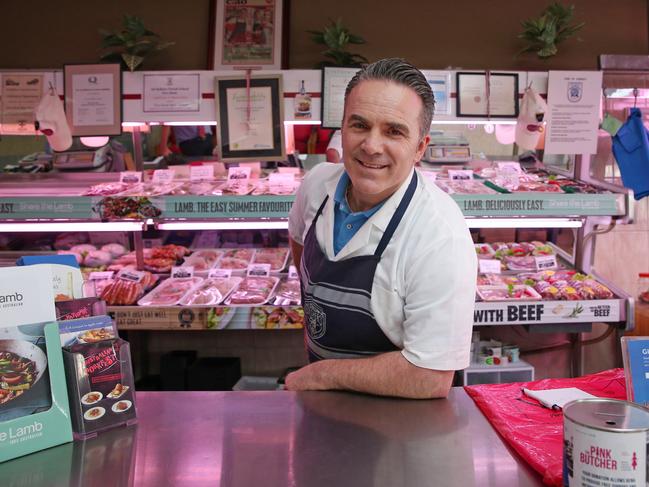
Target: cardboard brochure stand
{"type": "Point", "coordinates": [34, 411]}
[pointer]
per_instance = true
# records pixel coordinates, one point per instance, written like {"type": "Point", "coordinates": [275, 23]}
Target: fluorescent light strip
{"type": "Point", "coordinates": [473, 122]}
{"type": "Point", "coordinates": [183, 123]}
{"type": "Point", "coordinates": [302, 122]}
{"type": "Point", "coordinates": [523, 223]}
{"type": "Point", "coordinates": [225, 225]}
{"type": "Point", "coordinates": [72, 227]}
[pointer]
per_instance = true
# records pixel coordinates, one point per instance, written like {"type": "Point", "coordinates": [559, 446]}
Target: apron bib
{"type": "Point", "coordinates": [336, 295]}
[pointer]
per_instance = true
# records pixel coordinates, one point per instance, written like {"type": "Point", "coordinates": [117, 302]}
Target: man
{"type": "Point", "coordinates": [387, 264]}
{"type": "Point", "coordinates": [192, 140]}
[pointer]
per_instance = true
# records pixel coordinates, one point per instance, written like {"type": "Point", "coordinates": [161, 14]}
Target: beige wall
{"type": "Point", "coordinates": [462, 33]}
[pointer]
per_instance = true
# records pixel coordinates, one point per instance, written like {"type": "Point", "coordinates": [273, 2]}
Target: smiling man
{"type": "Point", "coordinates": [387, 264]}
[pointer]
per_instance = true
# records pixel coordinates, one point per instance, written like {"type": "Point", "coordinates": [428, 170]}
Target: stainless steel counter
{"type": "Point", "coordinates": [285, 439]}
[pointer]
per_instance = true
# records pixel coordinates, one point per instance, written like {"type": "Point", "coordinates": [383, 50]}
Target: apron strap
{"type": "Point", "coordinates": [319, 212]}
{"type": "Point", "coordinates": [398, 214]}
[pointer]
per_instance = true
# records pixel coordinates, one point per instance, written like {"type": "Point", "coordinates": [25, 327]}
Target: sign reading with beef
{"type": "Point", "coordinates": [534, 312]}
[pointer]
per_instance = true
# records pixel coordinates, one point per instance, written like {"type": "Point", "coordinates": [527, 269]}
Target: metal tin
{"type": "Point", "coordinates": [605, 443]}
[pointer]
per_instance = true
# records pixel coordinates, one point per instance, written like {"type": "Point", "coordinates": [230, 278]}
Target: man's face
{"type": "Point", "coordinates": [381, 138]}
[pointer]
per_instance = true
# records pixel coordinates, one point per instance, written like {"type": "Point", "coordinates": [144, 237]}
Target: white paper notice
{"type": "Point", "coordinates": [20, 95]}
{"type": "Point", "coordinates": [93, 96]}
{"type": "Point", "coordinates": [253, 132]}
{"type": "Point", "coordinates": [574, 99]}
{"type": "Point", "coordinates": [333, 95]}
{"type": "Point", "coordinates": [171, 93]}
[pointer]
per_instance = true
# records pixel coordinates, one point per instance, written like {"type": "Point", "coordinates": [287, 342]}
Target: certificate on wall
{"type": "Point", "coordinates": [93, 98]}
{"type": "Point", "coordinates": [440, 83]}
{"type": "Point", "coordinates": [482, 95]}
{"type": "Point", "coordinates": [19, 96]}
{"type": "Point", "coordinates": [334, 84]}
{"type": "Point", "coordinates": [250, 118]}
{"type": "Point", "coordinates": [574, 99]}
{"type": "Point", "coordinates": [171, 93]}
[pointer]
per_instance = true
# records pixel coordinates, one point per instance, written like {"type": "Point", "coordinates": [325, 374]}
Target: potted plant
{"type": "Point", "coordinates": [336, 37]}
{"type": "Point", "coordinates": [132, 44]}
{"type": "Point", "coordinates": [551, 28]}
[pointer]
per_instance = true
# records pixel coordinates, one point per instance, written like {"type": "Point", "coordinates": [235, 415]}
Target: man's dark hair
{"type": "Point", "coordinates": [402, 72]}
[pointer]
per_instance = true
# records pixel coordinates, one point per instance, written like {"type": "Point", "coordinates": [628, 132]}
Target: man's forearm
{"type": "Point", "coordinates": [387, 374]}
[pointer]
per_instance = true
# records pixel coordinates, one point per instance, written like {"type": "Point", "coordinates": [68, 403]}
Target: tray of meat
{"type": "Point", "coordinates": [515, 263]}
{"type": "Point", "coordinates": [236, 259]}
{"type": "Point", "coordinates": [538, 187]}
{"type": "Point", "coordinates": [484, 251]}
{"type": "Point", "coordinates": [508, 293]}
{"type": "Point", "coordinates": [211, 292]}
{"type": "Point", "coordinates": [203, 260]}
{"type": "Point", "coordinates": [105, 189]}
{"type": "Point", "coordinates": [121, 292]}
{"type": "Point", "coordinates": [288, 293]}
{"type": "Point", "coordinates": [277, 318]}
{"type": "Point", "coordinates": [160, 266]}
{"type": "Point", "coordinates": [169, 251]}
{"type": "Point", "coordinates": [547, 290]}
{"type": "Point", "coordinates": [235, 187]}
{"type": "Point", "coordinates": [277, 258]}
{"type": "Point", "coordinates": [253, 290]}
{"type": "Point", "coordinates": [464, 187]}
{"type": "Point", "coordinates": [170, 292]}
{"type": "Point", "coordinates": [497, 280]}
{"type": "Point", "coordinates": [263, 187]}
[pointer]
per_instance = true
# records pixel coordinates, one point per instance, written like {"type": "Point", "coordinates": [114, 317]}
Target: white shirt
{"type": "Point", "coordinates": [424, 286]}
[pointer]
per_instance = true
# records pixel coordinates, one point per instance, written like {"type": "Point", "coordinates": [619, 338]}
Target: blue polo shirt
{"type": "Point", "coordinates": [346, 222]}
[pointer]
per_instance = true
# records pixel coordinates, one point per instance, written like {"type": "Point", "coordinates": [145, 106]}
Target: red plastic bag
{"type": "Point", "coordinates": [534, 431]}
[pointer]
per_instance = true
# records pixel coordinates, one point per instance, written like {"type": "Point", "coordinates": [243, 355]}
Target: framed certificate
{"type": "Point", "coordinates": [334, 84]}
{"type": "Point", "coordinates": [250, 119]}
{"type": "Point", "coordinates": [247, 34]}
{"type": "Point", "coordinates": [171, 93]}
{"type": "Point", "coordinates": [481, 95]}
{"type": "Point", "coordinates": [93, 98]}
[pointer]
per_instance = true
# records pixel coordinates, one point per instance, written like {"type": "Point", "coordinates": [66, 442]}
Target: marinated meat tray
{"type": "Point", "coordinates": [203, 260]}
{"type": "Point", "coordinates": [277, 258]}
{"type": "Point", "coordinates": [288, 293]}
{"type": "Point", "coordinates": [236, 259]}
{"type": "Point", "coordinates": [211, 292]}
{"type": "Point", "coordinates": [170, 292]}
{"type": "Point", "coordinates": [512, 292]}
{"type": "Point", "coordinates": [253, 290]}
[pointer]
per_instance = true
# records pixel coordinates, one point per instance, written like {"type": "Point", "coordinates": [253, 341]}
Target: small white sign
{"type": "Point", "coordinates": [182, 272]}
{"type": "Point", "coordinates": [130, 177]}
{"type": "Point", "coordinates": [201, 173]}
{"type": "Point", "coordinates": [130, 275]}
{"type": "Point", "coordinates": [289, 170]}
{"type": "Point", "coordinates": [259, 270]}
{"type": "Point", "coordinates": [220, 274]}
{"type": "Point", "coordinates": [292, 272]}
{"type": "Point", "coordinates": [280, 182]}
{"type": "Point", "coordinates": [101, 276]}
{"type": "Point", "coordinates": [163, 176]}
{"type": "Point", "coordinates": [489, 266]}
{"type": "Point", "coordinates": [460, 174]}
{"type": "Point", "coordinates": [239, 173]}
{"type": "Point", "coordinates": [545, 262]}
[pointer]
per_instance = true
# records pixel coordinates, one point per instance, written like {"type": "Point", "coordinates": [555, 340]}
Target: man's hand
{"type": "Point", "coordinates": [387, 374]}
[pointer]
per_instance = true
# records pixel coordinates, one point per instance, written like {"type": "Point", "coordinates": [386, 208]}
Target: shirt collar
{"type": "Point", "coordinates": [341, 199]}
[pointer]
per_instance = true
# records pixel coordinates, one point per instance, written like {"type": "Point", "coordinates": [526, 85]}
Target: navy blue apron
{"type": "Point", "coordinates": [336, 295]}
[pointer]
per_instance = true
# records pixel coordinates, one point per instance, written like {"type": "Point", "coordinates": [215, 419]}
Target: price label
{"type": "Point", "coordinates": [489, 266]}
{"type": "Point", "coordinates": [130, 275]}
{"type": "Point", "coordinates": [259, 270]}
{"type": "Point", "coordinates": [239, 173]}
{"type": "Point", "coordinates": [292, 272]}
{"type": "Point", "coordinates": [510, 166]}
{"type": "Point", "coordinates": [130, 177]}
{"type": "Point", "coordinates": [201, 173]}
{"type": "Point", "coordinates": [163, 176]}
{"type": "Point", "coordinates": [460, 174]}
{"type": "Point", "coordinates": [255, 167]}
{"type": "Point", "coordinates": [545, 262]}
{"type": "Point", "coordinates": [182, 272]}
{"type": "Point", "coordinates": [100, 276]}
{"type": "Point", "coordinates": [220, 274]}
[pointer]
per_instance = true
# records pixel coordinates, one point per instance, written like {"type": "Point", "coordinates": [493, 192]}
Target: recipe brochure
{"type": "Point", "coordinates": [34, 411]}
{"type": "Point", "coordinates": [635, 355]}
